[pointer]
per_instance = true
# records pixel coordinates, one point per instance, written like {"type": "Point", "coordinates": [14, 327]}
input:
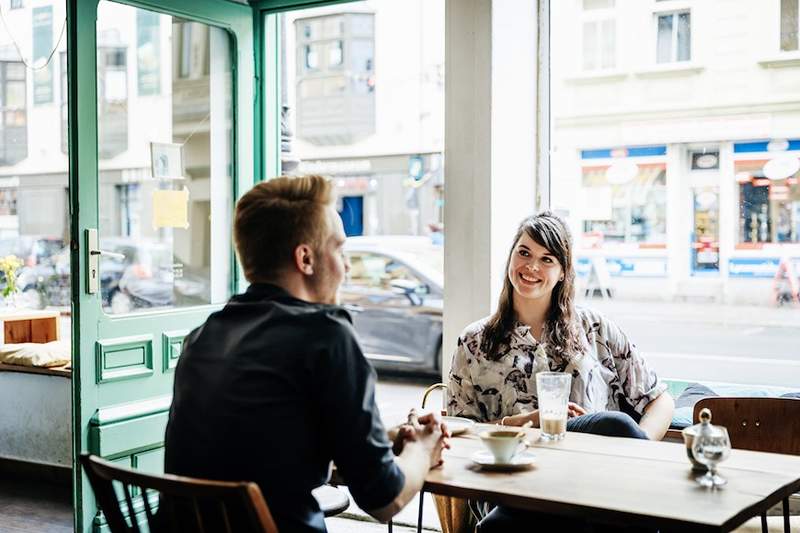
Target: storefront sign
{"type": "Point", "coordinates": [756, 267]}
{"type": "Point", "coordinates": [343, 166]}
{"type": "Point", "coordinates": [627, 267]}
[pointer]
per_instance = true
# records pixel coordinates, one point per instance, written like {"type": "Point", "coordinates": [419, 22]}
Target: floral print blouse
{"type": "Point", "coordinates": [610, 369]}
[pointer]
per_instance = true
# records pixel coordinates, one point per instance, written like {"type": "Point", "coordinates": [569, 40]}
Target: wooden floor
{"type": "Point", "coordinates": [38, 507]}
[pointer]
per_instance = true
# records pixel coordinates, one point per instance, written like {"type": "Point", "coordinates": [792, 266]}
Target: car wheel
{"type": "Point", "coordinates": [31, 299]}
{"type": "Point", "coordinates": [121, 303]}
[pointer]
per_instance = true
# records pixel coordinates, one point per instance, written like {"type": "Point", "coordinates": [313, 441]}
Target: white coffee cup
{"type": "Point", "coordinates": [504, 444]}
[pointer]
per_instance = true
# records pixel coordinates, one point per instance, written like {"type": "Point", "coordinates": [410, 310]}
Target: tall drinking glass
{"type": "Point", "coordinates": [553, 389]}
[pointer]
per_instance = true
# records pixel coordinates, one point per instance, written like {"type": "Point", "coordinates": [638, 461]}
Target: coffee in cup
{"type": "Point", "coordinates": [553, 425]}
{"type": "Point", "coordinates": [504, 444]}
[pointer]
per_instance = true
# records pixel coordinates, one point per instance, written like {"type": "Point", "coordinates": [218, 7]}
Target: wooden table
{"type": "Point", "coordinates": [622, 481]}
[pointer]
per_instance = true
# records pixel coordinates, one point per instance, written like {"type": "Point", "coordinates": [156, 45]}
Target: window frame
{"type": "Point", "coordinates": [598, 17]}
{"type": "Point", "coordinates": [674, 52]}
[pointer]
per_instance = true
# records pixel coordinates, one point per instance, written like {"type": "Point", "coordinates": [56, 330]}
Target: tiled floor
{"type": "Point", "coordinates": [34, 507]}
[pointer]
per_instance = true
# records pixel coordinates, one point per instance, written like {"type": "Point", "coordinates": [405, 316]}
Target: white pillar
{"type": "Point", "coordinates": [490, 150]}
{"type": "Point", "coordinates": [728, 213]}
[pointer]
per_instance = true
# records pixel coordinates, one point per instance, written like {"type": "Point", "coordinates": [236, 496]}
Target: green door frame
{"type": "Point", "coordinates": [90, 325]}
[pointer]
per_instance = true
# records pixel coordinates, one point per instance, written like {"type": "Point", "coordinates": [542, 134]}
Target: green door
{"type": "Point", "coordinates": [162, 135]}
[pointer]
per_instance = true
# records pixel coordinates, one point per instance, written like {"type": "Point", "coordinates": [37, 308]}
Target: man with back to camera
{"type": "Point", "coordinates": [274, 386]}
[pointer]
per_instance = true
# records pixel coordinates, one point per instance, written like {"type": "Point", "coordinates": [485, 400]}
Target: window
{"type": "Point", "coordinates": [335, 53]}
{"type": "Point", "coordinates": [335, 58]}
{"type": "Point", "coordinates": [13, 113]}
{"type": "Point", "coordinates": [673, 39]}
{"type": "Point", "coordinates": [34, 199]}
{"type": "Point", "coordinates": [626, 208]}
{"type": "Point", "coordinates": [112, 100]}
{"type": "Point", "coordinates": [62, 68]}
{"type": "Point", "coordinates": [790, 22]}
{"type": "Point", "coordinates": [148, 42]}
{"type": "Point", "coordinates": [769, 209]}
{"type": "Point", "coordinates": [42, 48]}
{"type": "Point", "coordinates": [311, 54]}
{"type": "Point", "coordinates": [378, 272]}
{"type": "Point", "coordinates": [599, 35]}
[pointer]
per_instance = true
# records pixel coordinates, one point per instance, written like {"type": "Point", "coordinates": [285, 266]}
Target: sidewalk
{"type": "Point", "coordinates": [698, 312]}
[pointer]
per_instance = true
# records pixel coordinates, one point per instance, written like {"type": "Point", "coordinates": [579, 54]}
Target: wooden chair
{"type": "Point", "coordinates": [759, 424]}
{"type": "Point", "coordinates": [186, 504]}
{"type": "Point", "coordinates": [454, 513]}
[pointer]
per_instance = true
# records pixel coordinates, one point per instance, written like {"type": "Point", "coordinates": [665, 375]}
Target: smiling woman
{"type": "Point", "coordinates": [537, 330]}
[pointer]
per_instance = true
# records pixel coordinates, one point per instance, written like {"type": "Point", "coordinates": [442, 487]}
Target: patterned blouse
{"type": "Point", "coordinates": [610, 367]}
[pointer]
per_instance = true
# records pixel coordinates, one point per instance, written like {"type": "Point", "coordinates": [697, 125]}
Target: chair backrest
{"type": "Point", "coordinates": [175, 503]}
{"type": "Point", "coordinates": [760, 424]}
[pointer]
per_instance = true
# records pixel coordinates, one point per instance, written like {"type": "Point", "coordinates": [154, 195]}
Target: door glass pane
{"type": "Point", "coordinates": [166, 188]}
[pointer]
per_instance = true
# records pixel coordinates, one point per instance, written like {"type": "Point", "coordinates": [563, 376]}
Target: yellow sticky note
{"type": "Point", "coordinates": [171, 209]}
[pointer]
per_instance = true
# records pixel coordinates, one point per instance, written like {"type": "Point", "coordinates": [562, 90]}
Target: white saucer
{"type": "Point", "coordinates": [458, 425]}
{"type": "Point", "coordinates": [521, 460]}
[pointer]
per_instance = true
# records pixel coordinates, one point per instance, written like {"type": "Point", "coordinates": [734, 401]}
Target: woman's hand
{"type": "Point", "coordinates": [573, 410]}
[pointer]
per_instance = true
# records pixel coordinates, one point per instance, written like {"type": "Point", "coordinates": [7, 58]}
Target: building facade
{"type": "Point", "coordinates": [369, 111]}
{"type": "Point", "coordinates": [678, 123]}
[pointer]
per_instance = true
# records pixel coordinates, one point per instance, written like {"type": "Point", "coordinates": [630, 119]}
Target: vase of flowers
{"type": "Point", "coordinates": [9, 265]}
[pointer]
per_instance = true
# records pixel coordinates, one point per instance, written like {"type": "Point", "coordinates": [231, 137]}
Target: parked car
{"type": "Point", "coordinates": [145, 275]}
{"type": "Point", "coordinates": [395, 292]}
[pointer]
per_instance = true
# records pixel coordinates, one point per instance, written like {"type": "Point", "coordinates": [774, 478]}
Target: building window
{"type": "Point", "coordinates": [8, 201]}
{"type": "Point", "coordinates": [148, 53]}
{"type": "Point", "coordinates": [311, 54]}
{"type": "Point", "coordinates": [790, 22]}
{"type": "Point", "coordinates": [62, 56]}
{"type": "Point", "coordinates": [16, 4]}
{"type": "Point", "coordinates": [335, 54]}
{"type": "Point", "coordinates": [599, 35]}
{"type": "Point", "coordinates": [42, 49]}
{"type": "Point", "coordinates": [673, 39]}
{"type": "Point", "coordinates": [335, 60]}
{"type": "Point", "coordinates": [769, 209]}
{"type": "Point", "coordinates": [630, 210]}
{"type": "Point", "coordinates": [112, 100]}
{"type": "Point", "coordinates": [13, 113]}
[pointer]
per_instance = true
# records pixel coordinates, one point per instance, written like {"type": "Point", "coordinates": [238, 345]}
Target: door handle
{"type": "Point", "coordinates": [93, 260]}
{"type": "Point", "coordinates": [105, 253]}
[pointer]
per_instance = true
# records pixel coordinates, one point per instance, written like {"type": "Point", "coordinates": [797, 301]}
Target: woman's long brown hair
{"type": "Point", "coordinates": [560, 331]}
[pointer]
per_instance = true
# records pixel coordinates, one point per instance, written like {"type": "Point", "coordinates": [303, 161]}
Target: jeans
{"type": "Point", "coordinates": [507, 519]}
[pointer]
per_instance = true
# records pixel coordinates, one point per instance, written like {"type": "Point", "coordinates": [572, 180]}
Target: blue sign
{"type": "Point", "coordinates": [756, 267]}
{"type": "Point", "coordinates": [630, 151]}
